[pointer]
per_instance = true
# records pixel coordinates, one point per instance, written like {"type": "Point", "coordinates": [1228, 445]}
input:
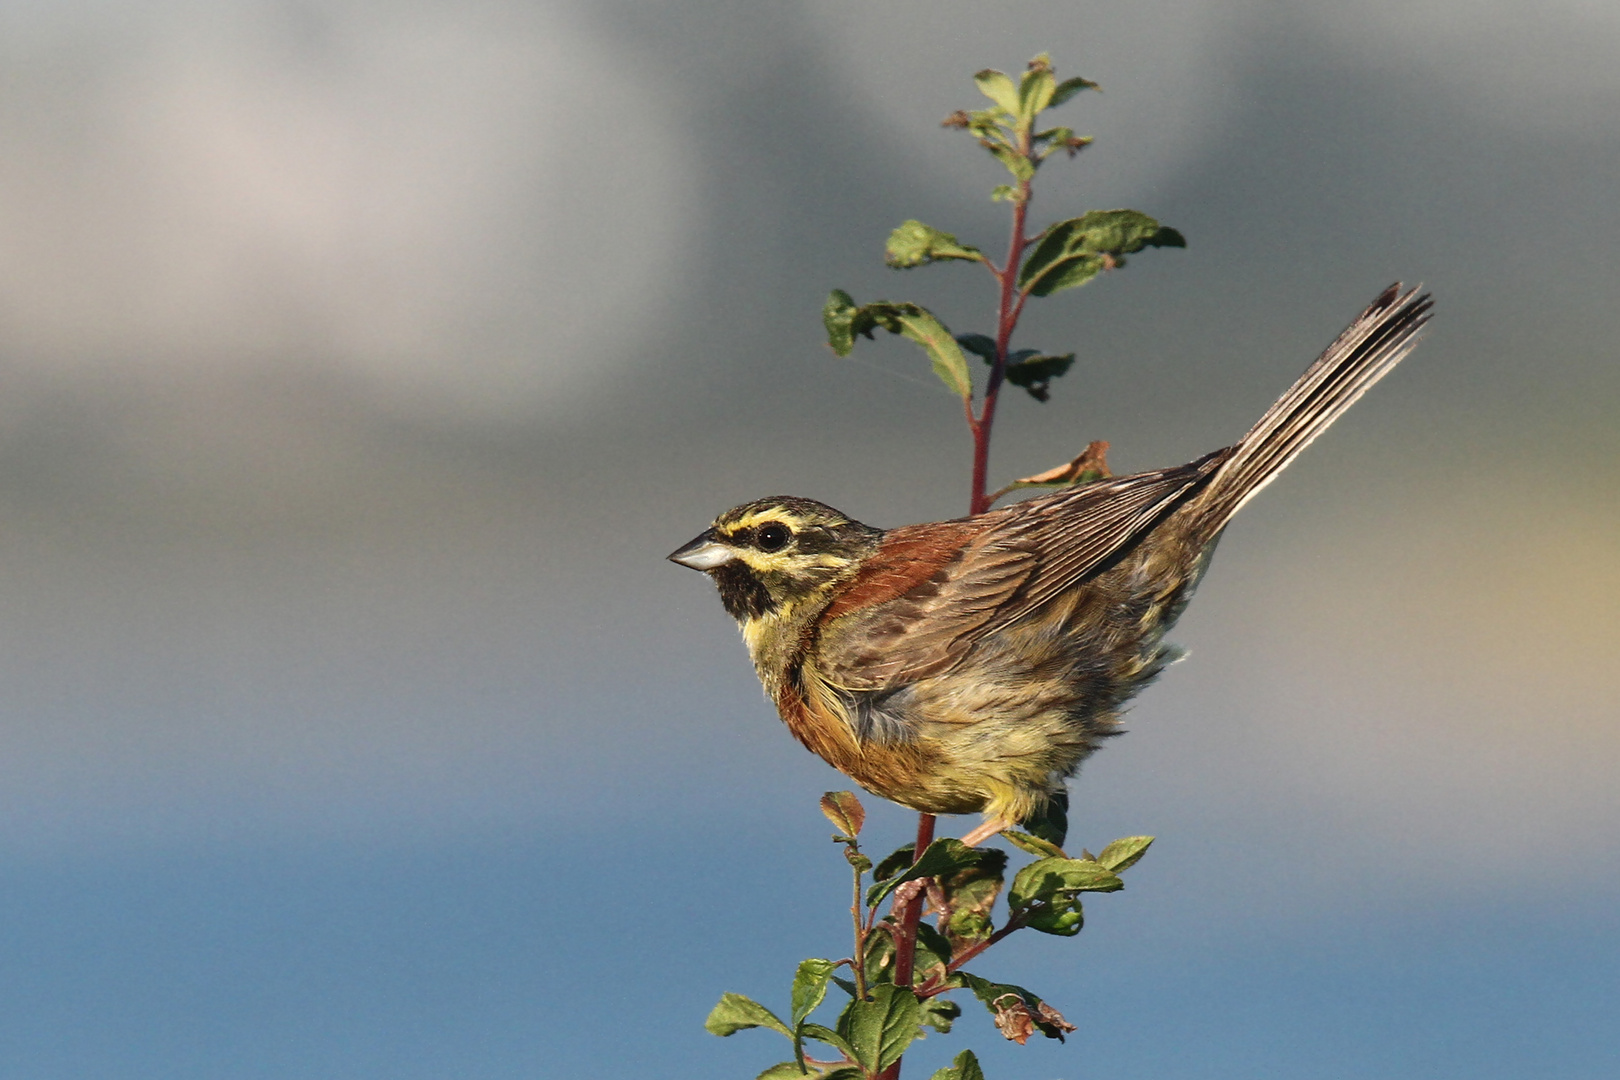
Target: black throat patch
{"type": "Point", "coordinates": [743, 595]}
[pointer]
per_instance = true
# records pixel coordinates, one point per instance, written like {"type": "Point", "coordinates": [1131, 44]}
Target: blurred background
{"type": "Point", "coordinates": [360, 362]}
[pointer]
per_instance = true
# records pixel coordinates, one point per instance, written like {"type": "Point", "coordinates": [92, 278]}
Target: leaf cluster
{"type": "Point", "coordinates": [880, 1019]}
{"type": "Point", "coordinates": [1064, 255]}
{"type": "Point", "coordinates": [1006, 129]}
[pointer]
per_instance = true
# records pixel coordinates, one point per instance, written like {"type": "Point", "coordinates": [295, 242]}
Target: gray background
{"type": "Point", "coordinates": [360, 362]}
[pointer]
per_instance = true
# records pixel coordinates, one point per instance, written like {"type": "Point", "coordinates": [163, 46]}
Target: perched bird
{"type": "Point", "coordinates": [971, 665]}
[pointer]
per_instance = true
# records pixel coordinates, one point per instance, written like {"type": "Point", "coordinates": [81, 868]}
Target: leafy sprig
{"type": "Point", "coordinates": [1064, 255]}
{"type": "Point", "coordinates": [881, 1017]}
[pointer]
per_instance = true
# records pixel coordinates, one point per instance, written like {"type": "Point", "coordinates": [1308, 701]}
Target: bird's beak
{"type": "Point", "coordinates": [703, 553]}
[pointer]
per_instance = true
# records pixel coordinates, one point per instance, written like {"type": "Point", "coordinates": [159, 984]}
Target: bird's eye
{"type": "Point", "coordinates": [773, 537]}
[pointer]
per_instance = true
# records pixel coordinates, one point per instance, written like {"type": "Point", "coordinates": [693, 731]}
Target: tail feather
{"type": "Point", "coordinates": [1369, 348]}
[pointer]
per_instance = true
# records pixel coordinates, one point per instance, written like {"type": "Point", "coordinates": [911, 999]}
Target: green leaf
{"type": "Point", "coordinates": [1067, 89]}
{"type": "Point", "coordinates": [979, 345]}
{"type": "Point", "coordinates": [933, 953]}
{"type": "Point", "coordinates": [846, 985]}
{"type": "Point", "coordinates": [842, 808]}
{"type": "Point", "coordinates": [964, 1067]}
{"type": "Point", "coordinates": [1123, 854]}
{"type": "Point", "coordinates": [1060, 917]}
{"type": "Point", "coordinates": [844, 321]}
{"type": "Point", "coordinates": [969, 927]}
{"type": "Point", "coordinates": [988, 992]}
{"type": "Point", "coordinates": [810, 987]}
{"type": "Point", "coordinates": [977, 885]}
{"type": "Point", "coordinates": [1051, 823]}
{"type": "Point", "coordinates": [1035, 91]}
{"type": "Point", "coordinates": [877, 961]}
{"type": "Point", "coordinates": [1059, 261]}
{"type": "Point", "coordinates": [838, 316]}
{"type": "Point", "coordinates": [939, 1014]}
{"type": "Point", "coordinates": [827, 1035]}
{"type": "Point", "coordinates": [1012, 159]}
{"type": "Point", "coordinates": [914, 244]}
{"type": "Point", "coordinates": [1047, 879]}
{"type": "Point", "coordinates": [970, 896]}
{"type": "Point", "coordinates": [1056, 911]}
{"type": "Point", "coordinates": [880, 1030]}
{"type": "Point", "coordinates": [895, 861]}
{"type": "Point", "coordinates": [988, 125]}
{"type": "Point", "coordinates": [920, 326]}
{"type": "Point", "coordinates": [1034, 372]}
{"type": "Point", "coordinates": [1033, 844]}
{"type": "Point", "coordinates": [1003, 193]}
{"type": "Point", "coordinates": [1052, 140]}
{"type": "Point", "coordinates": [736, 1013]}
{"type": "Point", "coordinates": [1072, 252]}
{"type": "Point", "coordinates": [996, 86]}
{"type": "Point", "coordinates": [784, 1070]}
{"type": "Point", "coordinates": [1025, 368]}
{"type": "Point", "coordinates": [788, 1070]}
{"type": "Point", "coordinates": [945, 856]}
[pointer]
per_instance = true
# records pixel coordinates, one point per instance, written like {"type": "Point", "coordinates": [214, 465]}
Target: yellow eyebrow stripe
{"type": "Point", "coordinates": [760, 517]}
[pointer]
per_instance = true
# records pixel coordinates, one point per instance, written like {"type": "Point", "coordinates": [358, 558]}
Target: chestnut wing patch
{"type": "Point", "coordinates": [919, 604]}
{"type": "Point", "coordinates": [907, 558]}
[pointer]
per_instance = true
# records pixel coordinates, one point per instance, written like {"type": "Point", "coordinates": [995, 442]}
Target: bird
{"type": "Point", "coordinates": [970, 665]}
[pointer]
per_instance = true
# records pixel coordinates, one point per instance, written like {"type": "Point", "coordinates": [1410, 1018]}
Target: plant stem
{"type": "Point", "coordinates": [907, 916]}
{"type": "Point", "coordinates": [905, 955]}
{"type": "Point", "coordinates": [1009, 307]}
{"type": "Point", "coordinates": [975, 950]}
{"type": "Point", "coordinates": [939, 986]}
{"type": "Point", "coordinates": [858, 961]}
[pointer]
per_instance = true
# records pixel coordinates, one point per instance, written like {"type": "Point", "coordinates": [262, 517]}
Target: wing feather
{"type": "Point", "coordinates": [932, 591]}
{"type": "Point", "coordinates": [1082, 531]}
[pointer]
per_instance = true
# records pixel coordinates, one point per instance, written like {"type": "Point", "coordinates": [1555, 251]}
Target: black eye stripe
{"type": "Point", "coordinates": [816, 540]}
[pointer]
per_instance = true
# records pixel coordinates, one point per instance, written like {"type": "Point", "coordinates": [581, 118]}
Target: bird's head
{"type": "Point", "coordinates": [777, 553]}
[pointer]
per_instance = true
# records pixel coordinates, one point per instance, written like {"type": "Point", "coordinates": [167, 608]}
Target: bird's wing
{"type": "Point", "coordinates": [930, 591]}
{"type": "Point", "coordinates": [1082, 531]}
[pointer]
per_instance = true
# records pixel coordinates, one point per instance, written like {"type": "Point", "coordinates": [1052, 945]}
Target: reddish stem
{"type": "Point", "coordinates": [1008, 309]}
{"type": "Point", "coordinates": [974, 950]}
{"type": "Point", "coordinates": [905, 955]}
{"type": "Point", "coordinates": [907, 918]}
{"type": "Point", "coordinates": [1010, 306]}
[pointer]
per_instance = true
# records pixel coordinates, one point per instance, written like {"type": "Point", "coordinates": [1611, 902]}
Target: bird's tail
{"type": "Point", "coordinates": [1379, 339]}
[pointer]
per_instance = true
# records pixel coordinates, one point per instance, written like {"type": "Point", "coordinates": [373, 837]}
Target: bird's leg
{"type": "Point", "coordinates": [986, 830]}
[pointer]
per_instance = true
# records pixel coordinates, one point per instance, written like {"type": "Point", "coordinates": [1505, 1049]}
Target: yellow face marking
{"type": "Point", "coordinates": [784, 562]}
{"type": "Point", "coordinates": [787, 562]}
{"type": "Point", "coordinates": [757, 632]}
{"type": "Point", "coordinates": [779, 515]}
{"type": "Point", "coordinates": [764, 636]}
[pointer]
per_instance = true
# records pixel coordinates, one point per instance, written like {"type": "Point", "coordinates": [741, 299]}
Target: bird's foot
{"type": "Point", "coordinates": [986, 830]}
